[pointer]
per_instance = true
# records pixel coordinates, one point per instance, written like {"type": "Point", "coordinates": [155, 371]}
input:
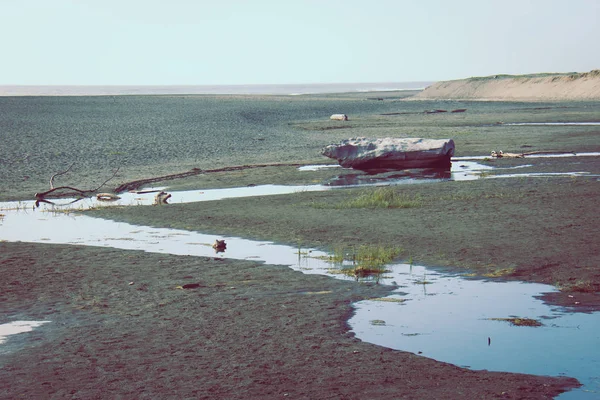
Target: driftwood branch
{"type": "Point", "coordinates": [46, 193]}
{"type": "Point", "coordinates": [106, 181]}
{"type": "Point", "coordinates": [70, 190]}
{"type": "Point", "coordinates": [134, 185]}
{"type": "Point", "coordinates": [59, 173]}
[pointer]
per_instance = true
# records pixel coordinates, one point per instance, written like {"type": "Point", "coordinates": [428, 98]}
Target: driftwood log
{"type": "Point", "coordinates": [135, 185]}
{"type": "Point", "coordinates": [501, 154]}
{"type": "Point", "coordinates": [70, 191]}
{"type": "Point", "coordinates": [107, 197]}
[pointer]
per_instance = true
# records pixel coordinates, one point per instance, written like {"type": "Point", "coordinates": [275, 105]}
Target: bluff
{"type": "Point", "coordinates": [536, 87]}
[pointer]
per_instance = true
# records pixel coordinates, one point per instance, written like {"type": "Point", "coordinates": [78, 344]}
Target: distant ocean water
{"type": "Point", "coordinates": [285, 89]}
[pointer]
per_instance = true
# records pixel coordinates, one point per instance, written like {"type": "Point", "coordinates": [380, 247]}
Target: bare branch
{"type": "Point", "coordinates": [133, 185]}
{"type": "Point", "coordinates": [44, 194]}
{"type": "Point", "coordinates": [106, 181]}
{"type": "Point", "coordinates": [59, 173]}
{"type": "Point", "coordinates": [71, 190]}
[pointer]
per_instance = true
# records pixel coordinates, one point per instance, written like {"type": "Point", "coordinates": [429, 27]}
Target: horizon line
{"type": "Point", "coordinates": [209, 84]}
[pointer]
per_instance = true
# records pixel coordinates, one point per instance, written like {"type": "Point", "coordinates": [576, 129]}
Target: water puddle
{"type": "Point", "coordinates": [551, 123]}
{"type": "Point", "coordinates": [534, 155]}
{"type": "Point", "coordinates": [15, 327]}
{"type": "Point", "coordinates": [458, 320]}
{"type": "Point", "coordinates": [318, 167]}
{"type": "Point", "coordinates": [62, 228]}
{"type": "Point", "coordinates": [544, 174]}
{"type": "Point", "coordinates": [146, 197]}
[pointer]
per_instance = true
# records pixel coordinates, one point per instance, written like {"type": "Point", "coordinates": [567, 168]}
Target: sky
{"type": "Point", "coordinates": [230, 42]}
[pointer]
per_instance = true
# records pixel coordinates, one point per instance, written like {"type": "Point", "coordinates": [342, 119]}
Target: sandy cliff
{"type": "Point", "coordinates": [538, 87]}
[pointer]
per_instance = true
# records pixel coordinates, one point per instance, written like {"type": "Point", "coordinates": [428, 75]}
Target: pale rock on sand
{"type": "Point", "coordinates": [391, 153]}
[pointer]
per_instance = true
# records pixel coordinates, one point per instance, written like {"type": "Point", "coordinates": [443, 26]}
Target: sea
{"type": "Point", "coordinates": [271, 89]}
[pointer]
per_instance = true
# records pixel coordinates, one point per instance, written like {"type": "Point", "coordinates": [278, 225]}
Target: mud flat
{"type": "Point", "coordinates": [248, 330]}
{"type": "Point", "coordinates": [254, 330]}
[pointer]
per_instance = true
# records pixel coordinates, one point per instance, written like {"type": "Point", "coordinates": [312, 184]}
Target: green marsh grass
{"type": "Point", "coordinates": [499, 272]}
{"type": "Point", "coordinates": [579, 286]}
{"type": "Point", "coordinates": [388, 299]}
{"type": "Point", "coordinates": [367, 260]}
{"type": "Point", "coordinates": [516, 321]}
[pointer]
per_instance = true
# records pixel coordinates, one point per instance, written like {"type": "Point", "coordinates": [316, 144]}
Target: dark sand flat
{"type": "Point", "coordinates": [251, 330]}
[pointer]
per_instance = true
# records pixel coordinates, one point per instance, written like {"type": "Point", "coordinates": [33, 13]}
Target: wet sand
{"type": "Point", "coordinates": [259, 331]}
{"type": "Point", "coordinates": [247, 331]}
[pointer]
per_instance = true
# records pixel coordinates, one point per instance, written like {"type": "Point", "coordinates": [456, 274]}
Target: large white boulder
{"type": "Point", "coordinates": [392, 153]}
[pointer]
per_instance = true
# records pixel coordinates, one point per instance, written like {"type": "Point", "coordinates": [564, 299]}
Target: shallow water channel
{"type": "Point", "coordinates": [443, 316]}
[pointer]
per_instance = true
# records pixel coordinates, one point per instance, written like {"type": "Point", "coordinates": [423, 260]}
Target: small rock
{"type": "Point", "coordinates": [191, 286]}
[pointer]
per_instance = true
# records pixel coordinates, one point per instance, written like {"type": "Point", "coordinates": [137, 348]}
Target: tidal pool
{"type": "Point", "coordinates": [451, 318]}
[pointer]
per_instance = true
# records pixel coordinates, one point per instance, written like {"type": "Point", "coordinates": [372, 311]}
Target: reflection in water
{"type": "Point", "coordinates": [391, 177]}
{"type": "Point", "coordinates": [448, 318]}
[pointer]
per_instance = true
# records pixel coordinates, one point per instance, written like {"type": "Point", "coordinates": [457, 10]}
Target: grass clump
{"type": "Point", "coordinates": [580, 286]}
{"type": "Point", "coordinates": [383, 197]}
{"type": "Point", "coordinates": [499, 272]}
{"type": "Point", "coordinates": [375, 255]}
{"type": "Point", "coordinates": [388, 299]}
{"type": "Point", "coordinates": [515, 321]}
{"type": "Point", "coordinates": [366, 260]}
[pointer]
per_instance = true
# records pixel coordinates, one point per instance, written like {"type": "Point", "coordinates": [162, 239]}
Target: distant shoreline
{"type": "Point", "coordinates": [272, 89]}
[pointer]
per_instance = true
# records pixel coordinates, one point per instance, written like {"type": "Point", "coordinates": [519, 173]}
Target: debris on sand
{"type": "Point", "coordinates": [219, 245]}
{"type": "Point", "coordinates": [161, 198]}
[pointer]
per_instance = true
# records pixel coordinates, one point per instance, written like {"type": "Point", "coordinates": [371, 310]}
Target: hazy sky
{"type": "Point", "coordinates": [162, 42]}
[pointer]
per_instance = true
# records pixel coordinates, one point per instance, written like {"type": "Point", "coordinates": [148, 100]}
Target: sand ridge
{"type": "Point", "coordinates": [538, 87]}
